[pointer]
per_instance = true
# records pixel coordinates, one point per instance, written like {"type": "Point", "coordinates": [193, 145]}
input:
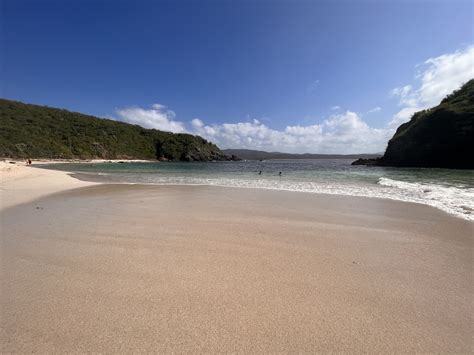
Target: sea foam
{"type": "Point", "coordinates": [458, 201]}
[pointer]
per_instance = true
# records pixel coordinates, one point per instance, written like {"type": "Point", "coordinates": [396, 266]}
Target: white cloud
{"type": "Point", "coordinates": [197, 123]}
{"type": "Point", "coordinates": [375, 109]}
{"type": "Point", "coordinates": [440, 77]}
{"type": "Point", "coordinates": [155, 117]}
{"type": "Point", "coordinates": [341, 133]}
{"type": "Point", "coordinates": [312, 87]}
{"type": "Point", "coordinates": [405, 93]}
{"type": "Point", "coordinates": [402, 116]}
{"type": "Point", "coordinates": [445, 74]}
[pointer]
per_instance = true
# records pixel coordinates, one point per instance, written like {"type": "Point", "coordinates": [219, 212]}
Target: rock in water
{"type": "Point", "coordinates": [362, 161]}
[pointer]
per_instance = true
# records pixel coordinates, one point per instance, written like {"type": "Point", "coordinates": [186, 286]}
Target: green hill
{"type": "Point", "coordinates": [441, 137]}
{"type": "Point", "coordinates": [41, 132]}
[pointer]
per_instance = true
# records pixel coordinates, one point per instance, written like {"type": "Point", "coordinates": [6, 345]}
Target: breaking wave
{"type": "Point", "coordinates": [449, 190]}
{"type": "Point", "coordinates": [457, 200]}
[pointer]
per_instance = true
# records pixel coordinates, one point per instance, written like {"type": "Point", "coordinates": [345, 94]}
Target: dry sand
{"type": "Point", "coordinates": [20, 183]}
{"type": "Point", "coordinates": [117, 268]}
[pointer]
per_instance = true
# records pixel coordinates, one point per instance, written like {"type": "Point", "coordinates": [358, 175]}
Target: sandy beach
{"type": "Point", "coordinates": [119, 268]}
{"type": "Point", "coordinates": [20, 183]}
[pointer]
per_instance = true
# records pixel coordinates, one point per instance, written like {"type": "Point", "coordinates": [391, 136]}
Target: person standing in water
{"type": "Point", "coordinates": [279, 174]}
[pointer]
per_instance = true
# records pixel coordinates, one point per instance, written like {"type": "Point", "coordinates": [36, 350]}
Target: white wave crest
{"type": "Point", "coordinates": [451, 199]}
{"type": "Point", "coordinates": [454, 200]}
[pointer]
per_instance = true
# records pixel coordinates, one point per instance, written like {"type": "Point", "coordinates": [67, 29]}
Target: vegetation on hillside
{"type": "Point", "coordinates": [31, 131]}
{"type": "Point", "coordinates": [441, 137]}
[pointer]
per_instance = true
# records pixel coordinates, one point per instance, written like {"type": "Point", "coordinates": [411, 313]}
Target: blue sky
{"type": "Point", "coordinates": [282, 63]}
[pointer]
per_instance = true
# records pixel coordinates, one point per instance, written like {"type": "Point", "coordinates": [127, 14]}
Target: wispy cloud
{"type": "Point", "coordinates": [438, 77]}
{"type": "Point", "coordinates": [157, 116]}
{"type": "Point", "coordinates": [335, 108]}
{"type": "Point", "coordinates": [313, 86]}
{"type": "Point", "coordinates": [375, 109]}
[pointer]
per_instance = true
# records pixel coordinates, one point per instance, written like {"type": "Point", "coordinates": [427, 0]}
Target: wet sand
{"type": "Point", "coordinates": [120, 268]}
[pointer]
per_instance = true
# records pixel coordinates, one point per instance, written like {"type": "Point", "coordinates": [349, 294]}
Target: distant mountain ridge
{"type": "Point", "coordinates": [440, 137]}
{"type": "Point", "coordinates": [32, 131]}
{"type": "Point", "coordinates": [249, 154]}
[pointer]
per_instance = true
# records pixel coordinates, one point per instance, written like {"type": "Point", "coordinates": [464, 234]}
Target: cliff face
{"type": "Point", "coordinates": [441, 137]}
{"type": "Point", "coordinates": [31, 131]}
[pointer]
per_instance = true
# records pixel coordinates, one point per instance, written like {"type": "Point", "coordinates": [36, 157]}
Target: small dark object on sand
{"type": "Point", "coordinates": [12, 162]}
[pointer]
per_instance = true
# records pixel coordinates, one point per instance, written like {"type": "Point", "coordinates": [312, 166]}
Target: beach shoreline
{"type": "Point", "coordinates": [21, 183]}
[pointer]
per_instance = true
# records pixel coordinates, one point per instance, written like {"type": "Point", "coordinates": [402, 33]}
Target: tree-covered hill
{"type": "Point", "coordinates": [440, 137]}
{"type": "Point", "coordinates": [32, 131]}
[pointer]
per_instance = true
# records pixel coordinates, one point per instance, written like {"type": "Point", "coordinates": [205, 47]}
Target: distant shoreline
{"type": "Point", "coordinates": [60, 160]}
{"type": "Point", "coordinates": [249, 154]}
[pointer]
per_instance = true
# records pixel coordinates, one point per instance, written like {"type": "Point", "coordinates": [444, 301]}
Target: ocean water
{"type": "Point", "coordinates": [449, 190]}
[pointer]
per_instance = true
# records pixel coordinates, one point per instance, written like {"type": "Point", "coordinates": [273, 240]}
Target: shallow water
{"type": "Point", "coordinates": [449, 190]}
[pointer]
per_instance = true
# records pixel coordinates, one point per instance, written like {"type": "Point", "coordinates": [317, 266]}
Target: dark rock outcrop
{"type": "Point", "coordinates": [204, 154]}
{"type": "Point", "coordinates": [369, 161]}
